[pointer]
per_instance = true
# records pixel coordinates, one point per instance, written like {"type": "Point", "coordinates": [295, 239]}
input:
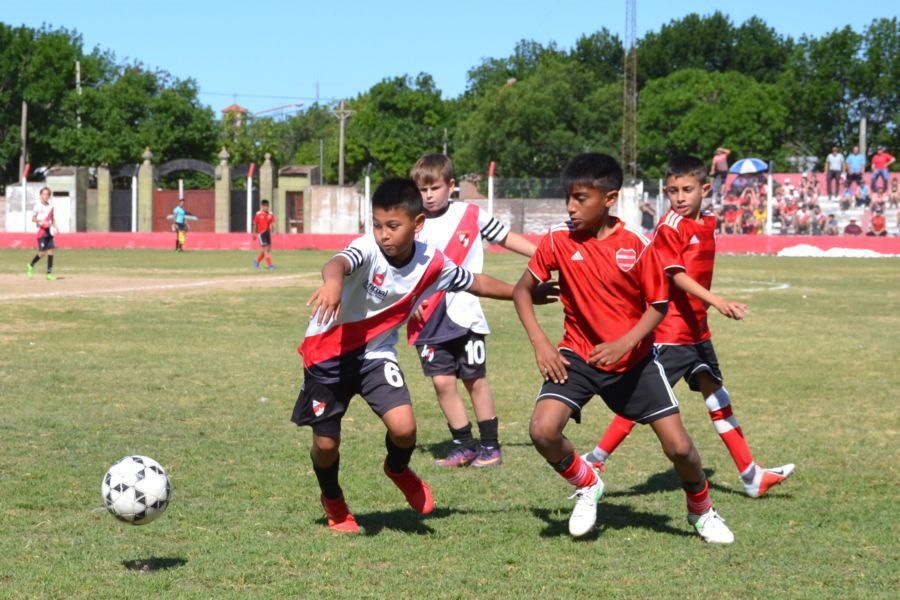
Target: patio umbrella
{"type": "Point", "coordinates": [749, 165]}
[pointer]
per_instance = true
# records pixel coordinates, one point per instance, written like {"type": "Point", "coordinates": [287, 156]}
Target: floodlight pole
{"type": "Point", "coordinates": [367, 209]}
{"type": "Point", "coordinates": [23, 167]}
{"type": "Point", "coordinates": [250, 197]}
{"type": "Point", "coordinates": [491, 169]}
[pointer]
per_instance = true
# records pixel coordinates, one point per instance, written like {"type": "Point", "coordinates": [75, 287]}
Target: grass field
{"type": "Point", "coordinates": [191, 359]}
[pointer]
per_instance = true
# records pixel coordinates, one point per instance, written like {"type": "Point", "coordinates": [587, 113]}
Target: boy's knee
{"type": "Point", "coordinates": [326, 445]}
{"type": "Point", "coordinates": [404, 435]}
{"type": "Point", "coordinates": [542, 433]}
{"type": "Point", "coordinates": [680, 451]}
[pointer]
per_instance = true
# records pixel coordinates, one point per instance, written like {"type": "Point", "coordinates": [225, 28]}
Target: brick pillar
{"type": "Point", "coordinates": [145, 193]}
{"type": "Point", "coordinates": [223, 192]}
{"type": "Point", "coordinates": [267, 192]}
{"type": "Point", "coordinates": [98, 219]}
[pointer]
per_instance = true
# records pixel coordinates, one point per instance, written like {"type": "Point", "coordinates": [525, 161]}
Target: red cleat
{"type": "Point", "coordinates": [417, 492]}
{"type": "Point", "coordinates": [339, 517]}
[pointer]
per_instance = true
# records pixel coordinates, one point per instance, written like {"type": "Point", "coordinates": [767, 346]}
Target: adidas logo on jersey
{"type": "Point", "coordinates": [694, 240]}
{"type": "Point", "coordinates": [577, 255]}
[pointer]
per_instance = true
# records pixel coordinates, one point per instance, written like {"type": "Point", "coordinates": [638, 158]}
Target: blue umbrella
{"type": "Point", "coordinates": [749, 165]}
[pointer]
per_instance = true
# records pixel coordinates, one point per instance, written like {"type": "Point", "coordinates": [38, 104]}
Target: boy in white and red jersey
{"type": "Point", "coordinates": [264, 227]}
{"type": "Point", "coordinates": [686, 244]}
{"type": "Point", "coordinates": [614, 294]}
{"type": "Point", "coordinates": [450, 330]}
{"type": "Point", "coordinates": [46, 223]}
{"type": "Point", "coordinates": [370, 289]}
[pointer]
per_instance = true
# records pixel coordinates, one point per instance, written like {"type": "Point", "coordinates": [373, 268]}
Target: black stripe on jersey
{"type": "Point", "coordinates": [492, 228]}
{"type": "Point", "coordinates": [462, 280]}
{"type": "Point", "coordinates": [354, 256]}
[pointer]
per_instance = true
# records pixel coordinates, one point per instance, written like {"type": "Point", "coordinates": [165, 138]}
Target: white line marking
{"type": "Point", "coordinates": [772, 288]}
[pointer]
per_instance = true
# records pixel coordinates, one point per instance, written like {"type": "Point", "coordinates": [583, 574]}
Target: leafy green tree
{"type": "Point", "coordinates": [694, 111]}
{"type": "Point", "coordinates": [601, 53]}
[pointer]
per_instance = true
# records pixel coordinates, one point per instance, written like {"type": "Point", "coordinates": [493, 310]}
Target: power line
{"type": "Point", "coordinates": [237, 95]}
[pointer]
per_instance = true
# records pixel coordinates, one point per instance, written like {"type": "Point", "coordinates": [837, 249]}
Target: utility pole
{"type": "Point", "coordinates": [629, 94]}
{"type": "Point", "coordinates": [78, 88]}
{"type": "Point", "coordinates": [343, 114]}
{"type": "Point", "coordinates": [445, 141]}
{"type": "Point", "coordinates": [24, 132]}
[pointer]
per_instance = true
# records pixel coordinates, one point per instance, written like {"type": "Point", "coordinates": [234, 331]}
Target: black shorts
{"type": "Point", "coordinates": [181, 226]}
{"type": "Point", "coordinates": [322, 405]}
{"type": "Point", "coordinates": [45, 242]}
{"type": "Point", "coordinates": [265, 238]}
{"type": "Point", "coordinates": [465, 357]}
{"type": "Point", "coordinates": [686, 361]}
{"type": "Point", "coordinates": [641, 394]}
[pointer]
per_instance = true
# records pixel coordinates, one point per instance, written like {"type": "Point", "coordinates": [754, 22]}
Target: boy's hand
{"type": "Point", "coordinates": [550, 362]}
{"type": "Point", "coordinates": [546, 293]}
{"type": "Point", "coordinates": [608, 353]}
{"type": "Point", "coordinates": [326, 302]}
{"type": "Point", "coordinates": [731, 309]}
{"type": "Point", "coordinates": [419, 315]}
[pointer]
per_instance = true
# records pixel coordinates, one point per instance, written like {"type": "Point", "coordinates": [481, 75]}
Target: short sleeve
{"type": "Point", "coordinates": [358, 253]}
{"type": "Point", "coordinates": [543, 262]}
{"type": "Point", "coordinates": [654, 283]}
{"type": "Point", "coordinates": [492, 229]}
{"type": "Point", "coordinates": [454, 278]}
{"type": "Point", "coordinates": [668, 247]}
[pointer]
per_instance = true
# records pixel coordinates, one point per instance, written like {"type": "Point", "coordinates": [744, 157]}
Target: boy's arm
{"type": "Point", "coordinates": [486, 286]}
{"type": "Point", "coordinates": [518, 244]}
{"type": "Point", "coordinates": [729, 308]}
{"type": "Point", "coordinates": [326, 300]}
{"type": "Point", "coordinates": [609, 353]}
{"type": "Point", "coordinates": [550, 362]}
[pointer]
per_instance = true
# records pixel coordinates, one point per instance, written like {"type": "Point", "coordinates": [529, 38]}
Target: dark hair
{"type": "Point", "coordinates": [594, 169]}
{"type": "Point", "coordinates": [686, 166]}
{"type": "Point", "coordinates": [397, 192]}
{"type": "Point", "coordinates": [266, 202]}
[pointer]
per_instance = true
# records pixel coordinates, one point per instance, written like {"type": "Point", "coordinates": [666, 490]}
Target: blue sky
{"type": "Point", "coordinates": [274, 52]}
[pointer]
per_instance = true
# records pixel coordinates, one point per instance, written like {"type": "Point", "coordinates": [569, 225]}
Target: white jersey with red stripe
{"type": "Point", "coordinates": [460, 311]}
{"type": "Point", "coordinates": [44, 215]}
{"type": "Point", "coordinates": [376, 300]}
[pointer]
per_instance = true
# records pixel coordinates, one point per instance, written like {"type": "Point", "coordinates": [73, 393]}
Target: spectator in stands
{"type": "Point", "coordinates": [819, 220]}
{"type": "Point", "coordinates": [648, 217]}
{"type": "Point", "coordinates": [846, 199]}
{"type": "Point", "coordinates": [831, 225]}
{"type": "Point", "coordinates": [856, 167]}
{"type": "Point", "coordinates": [881, 160]}
{"type": "Point", "coordinates": [759, 215]}
{"type": "Point", "coordinates": [730, 216]}
{"type": "Point", "coordinates": [788, 211]}
{"type": "Point", "coordinates": [810, 185]}
{"type": "Point", "coordinates": [802, 219]}
{"type": "Point", "coordinates": [853, 228]}
{"type": "Point", "coordinates": [862, 194]}
{"type": "Point", "coordinates": [894, 194]}
{"type": "Point", "coordinates": [718, 170]}
{"type": "Point", "coordinates": [878, 199]}
{"type": "Point", "coordinates": [748, 223]}
{"type": "Point", "coordinates": [834, 167]}
{"type": "Point", "coordinates": [878, 225]}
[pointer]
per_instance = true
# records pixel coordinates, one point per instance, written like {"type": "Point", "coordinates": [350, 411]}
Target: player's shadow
{"type": "Point", "coordinates": [666, 481]}
{"type": "Point", "coordinates": [439, 450]}
{"type": "Point", "coordinates": [609, 516]}
{"type": "Point", "coordinates": [403, 520]}
{"type": "Point", "coordinates": [155, 563]}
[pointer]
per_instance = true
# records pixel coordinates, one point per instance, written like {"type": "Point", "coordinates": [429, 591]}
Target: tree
{"type": "Point", "coordinates": [693, 111]}
{"type": "Point", "coordinates": [602, 54]}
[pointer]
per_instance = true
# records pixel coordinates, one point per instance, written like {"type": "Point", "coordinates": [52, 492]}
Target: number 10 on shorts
{"type": "Point", "coordinates": [475, 352]}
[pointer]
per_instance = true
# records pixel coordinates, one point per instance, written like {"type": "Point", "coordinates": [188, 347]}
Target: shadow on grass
{"type": "Point", "coordinates": [667, 481]}
{"type": "Point", "coordinates": [403, 519]}
{"type": "Point", "coordinates": [441, 449]}
{"type": "Point", "coordinates": [609, 516]}
{"type": "Point", "coordinates": [156, 563]}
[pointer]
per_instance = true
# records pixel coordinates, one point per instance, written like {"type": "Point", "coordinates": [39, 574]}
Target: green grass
{"type": "Point", "coordinates": [204, 381]}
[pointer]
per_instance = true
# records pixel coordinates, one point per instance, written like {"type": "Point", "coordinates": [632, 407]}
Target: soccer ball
{"type": "Point", "coordinates": [136, 490]}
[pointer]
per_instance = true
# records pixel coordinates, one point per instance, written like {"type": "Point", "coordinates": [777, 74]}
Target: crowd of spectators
{"type": "Point", "coordinates": [742, 208]}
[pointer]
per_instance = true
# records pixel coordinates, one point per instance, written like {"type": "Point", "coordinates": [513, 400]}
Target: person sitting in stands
{"type": "Point", "coordinates": [853, 228]}
{"type": "Point", "coordinates": [831, 225]}
{"type": "Point", "coordinates": [878, 224]}
{"type": "Point", "coordinates": [819, 220]}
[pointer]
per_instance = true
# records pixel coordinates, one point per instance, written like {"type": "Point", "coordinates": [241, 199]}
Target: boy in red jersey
{"type": "Point", "coordinates": [451, 335]}
{"type": "Point", "coordinates": [264, 227]}
{"type": "Point", "coordinates": [370, 289]}
{"type": "Point", "coordinates": [614, 294]}
{"type": "Point", "coordinates": [686, 244]}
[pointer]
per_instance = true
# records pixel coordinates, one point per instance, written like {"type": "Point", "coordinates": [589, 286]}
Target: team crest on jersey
{"type": "Point", "coordinates": [318, 408]}
{"type": "Point", "coordinates": [464, 239]}
{"type": "Point", "coordinates": [625, 258]}
{"type": "Point", "coordinates": [378, 279]}
{"type": "Point", "coordinates": [427, 353]}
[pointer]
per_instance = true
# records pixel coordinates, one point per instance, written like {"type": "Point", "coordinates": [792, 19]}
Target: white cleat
{"type": "Point", "coordinates": [584, 515]}
{"type": "Point", "coordinates": [711, 527]}
{"type": "Point", "coordinates": [766, 478]}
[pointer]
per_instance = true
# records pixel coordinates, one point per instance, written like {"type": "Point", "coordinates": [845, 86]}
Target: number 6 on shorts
{"type": "Point", "coordinates": [393, 375]}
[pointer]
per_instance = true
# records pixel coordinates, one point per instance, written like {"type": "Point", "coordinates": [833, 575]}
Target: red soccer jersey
{"type": "Point", "coordinates": [605, 286]}
{"type": "Point", "coordinates": [263, 220]}
{"type": "Point", "coordinates": [690, 246]}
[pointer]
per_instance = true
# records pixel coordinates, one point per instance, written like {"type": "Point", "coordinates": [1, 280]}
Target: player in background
{"type": "Point", "coordinates": [46, 223]}
{"type": "Point", "coordinates": [450, 329]}
{"type": "Point", "coordinates": [614, 294]}
{"type": "Point", "coordinates": [180, 226]}
{"type": "Point", "coordinates": [264, 227]}
{"type": "Point", "coordinates": [686, 244]}
{"type": "Point", "coordinates": [369, 291]}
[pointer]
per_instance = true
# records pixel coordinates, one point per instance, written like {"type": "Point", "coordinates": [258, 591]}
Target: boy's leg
{"type": "Point", "coordinates": [756, 479]}
{"type": "Point", "coordinates": [400, 442]}
{"type": "Point", "coordinates": [615, 434]}
{"type": "Point", "coordinates": [546, 430]}
{"type": "Point", "coordinates": [489, 454]}
{"type": "Point", "coordinates": [326, 463]}
{"type": "Point", "coordinates": [679, 448]}
{"type": "Point", "coordinates": [465, 449]}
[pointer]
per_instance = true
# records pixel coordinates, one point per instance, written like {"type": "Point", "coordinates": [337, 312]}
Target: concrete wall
{"type": "Point", "coordinates": [334, 209]}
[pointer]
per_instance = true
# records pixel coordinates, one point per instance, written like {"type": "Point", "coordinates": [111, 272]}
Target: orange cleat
{"type": "Point", "coordinates": [339, 517]}
{"type": "Point", "coordinates": [417, 492]}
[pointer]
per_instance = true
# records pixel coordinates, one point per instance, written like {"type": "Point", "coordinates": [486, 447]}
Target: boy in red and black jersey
{"type": "Point", "coordinates": [686, 244]}
{"type": "Point", "coordinates": [264, 227]}
{"type": "Point", "coordinates": [614, 293]}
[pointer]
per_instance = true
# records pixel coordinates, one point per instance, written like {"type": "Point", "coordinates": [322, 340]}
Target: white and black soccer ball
{"type": "Point", "coordinates": [136, 490]}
